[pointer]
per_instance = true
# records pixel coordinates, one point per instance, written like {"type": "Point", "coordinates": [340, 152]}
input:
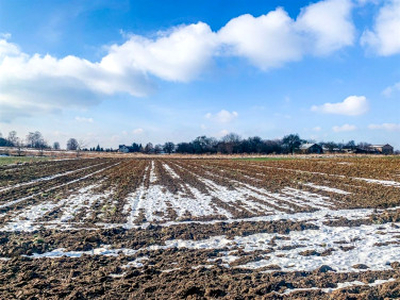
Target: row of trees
{"type": "Point", "coordinates": [234, 144]}
{"type": "Point", "coordinates": [149, 148]}
{"type": "Point", "coordinates": [229, 144]}
{"type": "Point", "coordinates": [34, 140]}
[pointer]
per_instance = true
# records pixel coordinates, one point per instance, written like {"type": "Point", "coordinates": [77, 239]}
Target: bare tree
{"type": "Point", "coordinates": [30, 139]}
{"type": "Point", "coordinates": [18, 144]}
{"type": "Point", "coordinates": [36, 140]}
{"type": "Point", "coordinates": [169, 147]}
{"type": "Point", "coordinates": [81, 145]}
{"type": "Point", "coordinates": [72, 144]}
{"type": "Point", "coordinates": [231, 142]}
{"type": "Point", "coordinates": [149, 148]}
{"type": "Point", "coordinates": [158, 149]}
{"type": "Point", "coordinates": [292, 142]}
{"type": "Point", "coordinates": [13, 138]}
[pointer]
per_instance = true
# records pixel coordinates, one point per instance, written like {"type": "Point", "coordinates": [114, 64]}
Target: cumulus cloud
{"type": "Point", "coordinates": [351, 106]}
{"type": "Point", "coordinates": [384, 38]}
{"type": "Point", "coordinates": [273, 39]}
{"type": "Point", "coordinates": [34, 84]}
{"type": "Point", "coordinates": [84, 120]}
{"type": "Point", "coordinates": [223, 116]}
{"type": "Point", "coordinates": [328, 25]}
{"type": "Point", "coordinates": [343, 128]}
{"type": "Point", "coordinates": [179, 54]}
{"type": "Point", "coordinates": [385, 126]}
{"type": "Point", "coordinates": [267, 41]}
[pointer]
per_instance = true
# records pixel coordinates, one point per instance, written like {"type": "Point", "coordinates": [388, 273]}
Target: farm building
{"type": "Point", "coordinates": [331, 150]}
{"type": "Point", "coordinates": [311, 148]}
{"type": "Point", "coordinates": [382, 149]}
{"type": "Point", "coordinates": [123, 149]}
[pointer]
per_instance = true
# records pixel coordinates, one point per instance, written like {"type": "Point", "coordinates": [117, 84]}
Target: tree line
{"type": "Point", "coordinates": [231, 143]}
{"type": "Point", "coordinates": [33, 140]}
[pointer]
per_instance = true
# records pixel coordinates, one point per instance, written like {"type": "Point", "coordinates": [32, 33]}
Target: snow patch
{"type": "Point", "coordinates": [327, 189]}
{"type": "Point", "coordinates": [381, 182]}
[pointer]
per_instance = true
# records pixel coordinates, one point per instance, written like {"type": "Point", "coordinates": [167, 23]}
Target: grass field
{"type": "Point", "coordinates": [7, 160]}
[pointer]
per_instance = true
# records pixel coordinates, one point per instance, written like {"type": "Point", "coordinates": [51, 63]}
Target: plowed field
{"type": "Point", "coordinates": [200, 228]}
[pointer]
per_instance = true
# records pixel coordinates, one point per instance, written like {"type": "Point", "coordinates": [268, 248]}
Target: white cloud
{"type": "Point", "coordinates": [138, 131]}
{"type": "Point", "coordinates": [384, 39]}
{"type": "Point", "coordinates": [317, 129]}
{"type": "Point", "coordinates": [179, 54]}
{"type": "Point", "coordinates": [223, 116]}
{"type": "Point", "coordinates": [351, 106]}
{"type": "Point", "coordinates": [35, 84]}
{"type": "Point", "coordinates": [388, 92]}
{"type": "Point", "coordinates": [7, 48]}
{"type": "Point", "coordinates": [343, 128]}
{"type": "Point", "coordinates": [31, 84]}
{"type": "Point", "coordinates": [385, 126]}
{"type": "Point", "coordinates": [84, 120]}
{"type": "Point", "coordinates": [267, 41]}
{"type": "Point", "coordinates": [5, 36]}
{"type": "Point", "coordinates": [270, 40]}
{"type": "Point", "coordinates": [328, 25]}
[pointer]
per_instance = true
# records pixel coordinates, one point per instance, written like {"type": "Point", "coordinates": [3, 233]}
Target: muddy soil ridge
{"type": "Point", "coordinates": [174, 228]}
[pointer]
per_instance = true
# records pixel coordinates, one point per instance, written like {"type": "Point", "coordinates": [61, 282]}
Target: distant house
{"type": "Point", "coordinates": [359, 150]}
{"type": "Point", "coordinates": [123, 149]}
{"type": "Point", "coordinates": [331, 150]}
{"type": "Point", "coordinates": [311, 148]}
{"type": "Point", "coordinates": [382, 149]}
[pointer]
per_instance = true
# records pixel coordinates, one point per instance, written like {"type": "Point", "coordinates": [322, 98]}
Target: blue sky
{"type": "Point", "coordinates": [113, 72]}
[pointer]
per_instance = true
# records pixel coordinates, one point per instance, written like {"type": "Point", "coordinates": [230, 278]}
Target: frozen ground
{"type": "Point", "coordinates": [236, 210]}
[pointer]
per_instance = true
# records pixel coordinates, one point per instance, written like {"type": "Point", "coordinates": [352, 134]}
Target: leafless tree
{"type": "Point", "coordinates": [36, 140]}
{"type": "Point", "coordinates": [18, 144]}
{"type": "Point", "coordinates": [169, 147]}
{"type": "Point", "coordinates": [230, 142]}
{"type": "Point", "coordinates": [13, 138]}
{"type": "Point", "coordinates": [149, 148]}
{"type": "Point", "coordinates": [81, 145]}
{"type": "Point", "coordinates": [72, 144]}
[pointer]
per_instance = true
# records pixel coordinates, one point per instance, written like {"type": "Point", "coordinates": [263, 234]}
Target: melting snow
{"type": "Point", "coordinates": [340, 285]}
{"type": "Point", "coordinates": [47, 178]}
{"type": "Point", "coordinates": [105, 250]}
{"type": "Point", "coordinates": [382, 182]}
{"type": "Point", "coordinates": [327, 189]}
